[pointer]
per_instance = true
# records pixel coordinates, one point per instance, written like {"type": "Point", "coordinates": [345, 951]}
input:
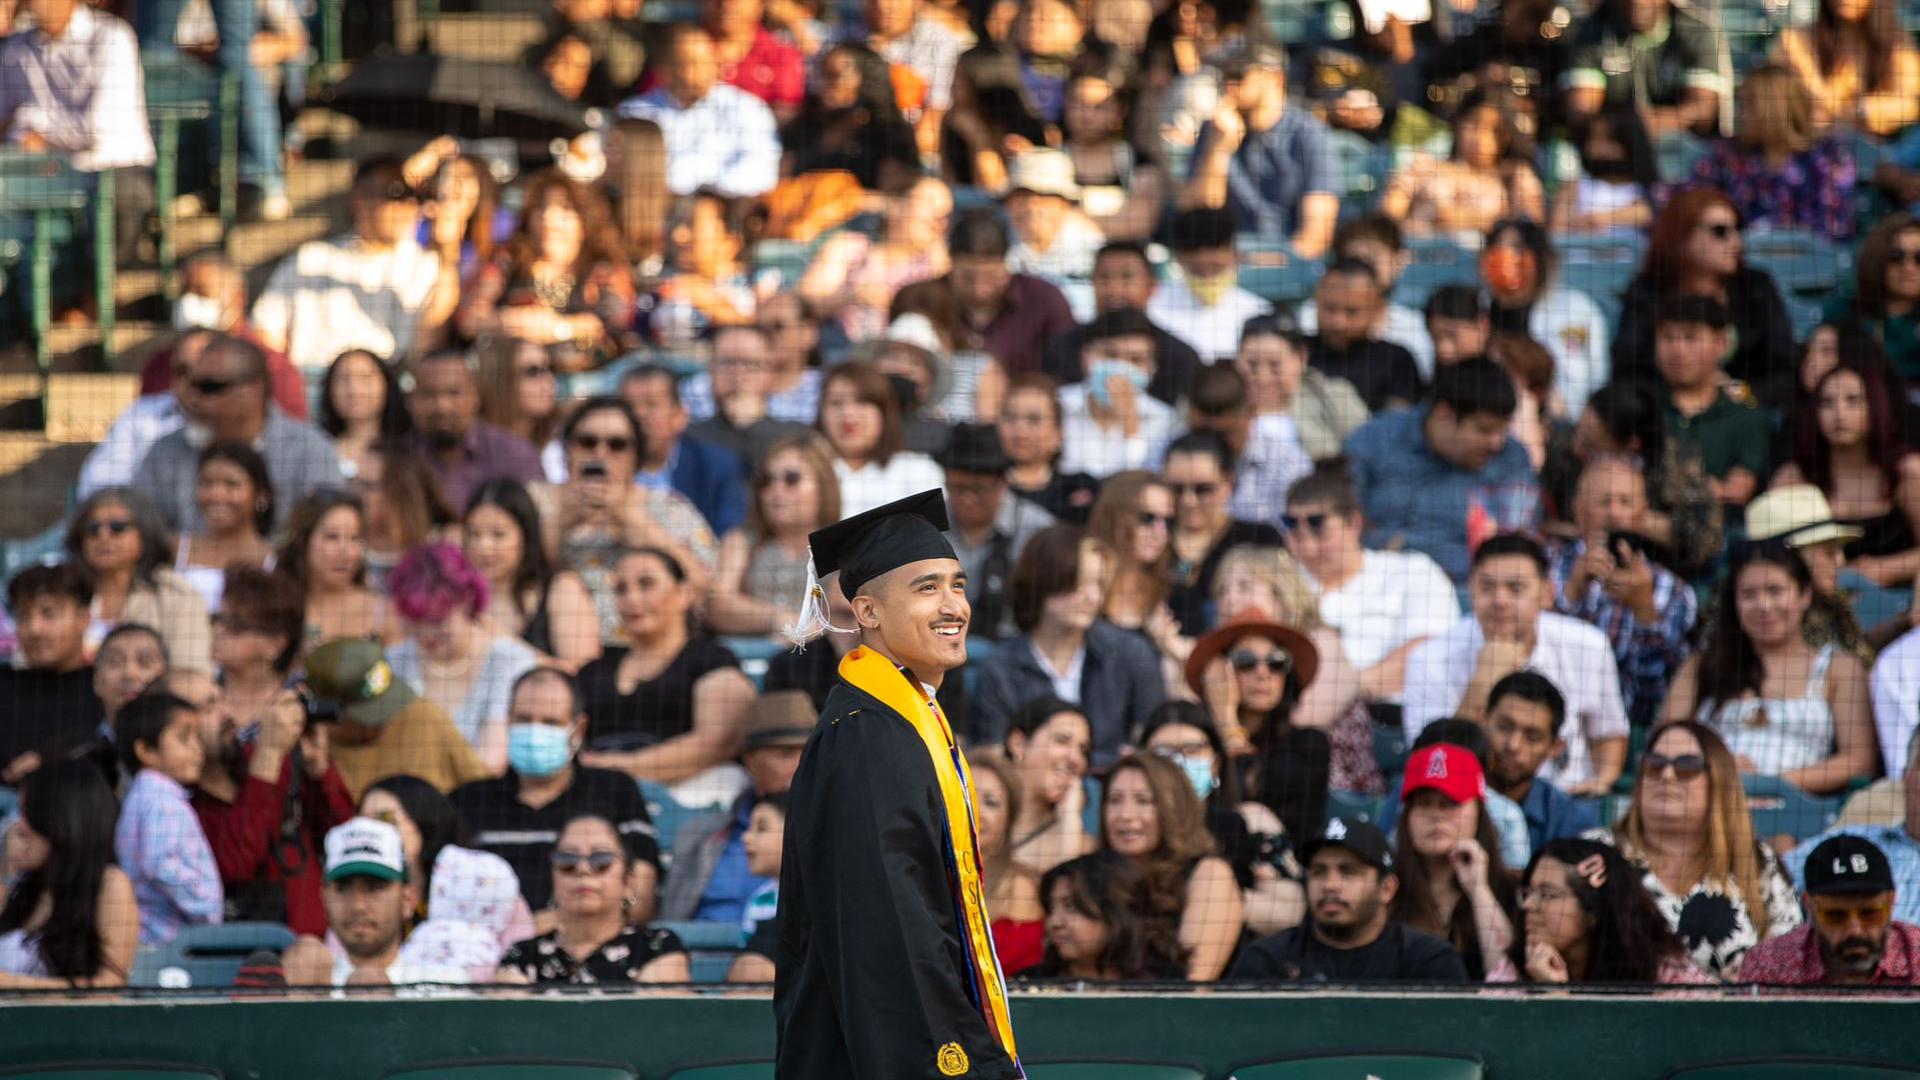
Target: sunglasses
{"type": "Point", "coordinates": [1685, 766]}
{"type": "Point", "coordinates": [574, 862]}
{"type": "Point", "coordinates": [1720, 230]}
{"type": "Point", "coordinates": [1872, 916]}
{"type": "Point", "coordinates": [1150, 519]}
{"type": "Point", "coordinates": [784, 478]}
{"type": "Point", "coordinates": [536, 371]}
{"type": "Point", "coordinates": [592, 444]}
{"type": "Point", "coordinates": [1313, 522]}
{"type": "Point", "coordinates": [1204, 490]}
{"type": "Point", "coordinates": [213, 387]}
{"type": "Point", "coordinates": [1277, 662]}
{"type": "Point", "coordinates": [110, 527]}
{"type": "Point", "coordinates": [1903, 257]}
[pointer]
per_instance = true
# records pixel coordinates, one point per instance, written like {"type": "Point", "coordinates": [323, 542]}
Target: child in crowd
{"type": "Point", "coordinates": [764, 840]}
{"type": "Point", "coordinates": [1690, 341]}
{"type": "Point", "coordinates": [159, 842]}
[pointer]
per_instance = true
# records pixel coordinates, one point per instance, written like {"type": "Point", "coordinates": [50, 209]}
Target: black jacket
{"type": "Point", "coordinates": [1764, 349]}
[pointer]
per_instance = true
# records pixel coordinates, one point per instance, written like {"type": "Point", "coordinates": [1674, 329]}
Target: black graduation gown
{"type": "Point", "coordinates": [871, 977]}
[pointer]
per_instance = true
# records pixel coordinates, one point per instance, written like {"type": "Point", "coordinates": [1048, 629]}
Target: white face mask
{"type": "Point", "coordinates": [193, 311]}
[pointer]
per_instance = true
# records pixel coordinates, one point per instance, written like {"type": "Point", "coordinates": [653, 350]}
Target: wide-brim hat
{"type": "Point", "coordinates": [1217, 643]}
{"type": "Point", "coordinates": [1043, 171]}
{"type": "Point", "coordinates": [1797, 515]}
{"type": "Point", "coordinates": [916, 332]}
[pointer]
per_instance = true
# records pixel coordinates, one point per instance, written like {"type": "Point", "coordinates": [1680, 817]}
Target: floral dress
{"type": "Point", "coordinates": [1712, 919]}
{"type": "Point", "coordinates": [545, 963]}
{"type": "Point", "coordinates": [1812, 190]}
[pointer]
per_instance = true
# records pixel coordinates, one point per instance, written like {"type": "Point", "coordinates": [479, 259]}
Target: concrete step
{"type": "Point", "coordinates": [35, 477]}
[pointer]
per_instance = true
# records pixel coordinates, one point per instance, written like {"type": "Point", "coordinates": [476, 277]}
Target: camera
{"type": "Point", "coordinates": [317, 709]}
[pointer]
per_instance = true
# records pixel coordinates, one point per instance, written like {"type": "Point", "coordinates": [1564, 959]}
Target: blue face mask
{"type": "Point", "coordinates": [1200, 775]}
{"type": "Point", "coordinates": [538, 749]}
{"type": "Point", "coordinates": [1103, 369]}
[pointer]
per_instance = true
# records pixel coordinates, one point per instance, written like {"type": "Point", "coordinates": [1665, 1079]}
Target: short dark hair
{"type": "Point", "coordinates": [1200, 228]}
{"type": "Point", "coordinates": [1330, 482]}
{"type": "Point", "coordinates": [536, 674]}
{"type": "Point", "coordinates": [272, 600]}
{"type": "Point", "coordinates": [1693, 308]}
{"type": "Point", "coordinates": [1205, 443]}
{"type": "Point", "coordinates": [1454, 302]}
{"type": "Point", "coordinates": [1346, 267]}
{"type": "Point", "coordinates": [978, 232]}
{"type": "Point", "coordinates": [776, 802]}
{"type": "Point", "coordinates": [654, 370]}
{"type": "Point", "coordinates": [1274, 324]}
{"type": "Point", "coordinates": [1376, 227]}
{"type": "Point", "coordinates": [253, 359]}
{"type": "Point", "coordinates": [1124, 322]}
{"type": "Point", "coordinates": [65, 579]}
{"type": "Point", "coordinates": [142, 720]}
{"type": "Point", "coordinates": [1475, 385]}
{"type": "Point", "coordinates": [1123, 248]}
{"type": "Point", "coordinates": [131, 629]}
{"type": "Point", "coordinates": [1500, 545]}
{"type": "Point", "coordinates": [1048, 566]}
{"type": "Point", "coordinates": [1031, 716]}
{"type": "Point", "coordinates": [1531, 686]}
{"type": "Point", "coordinates": [1457, 731]}
{"type": "Point", "coordinates": [1219, 390]}
{"type": "Point", "coordinates": [383, 170]}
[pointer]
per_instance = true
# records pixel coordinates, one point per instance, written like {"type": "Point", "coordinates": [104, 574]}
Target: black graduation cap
{"type": "Point", "coordinates": [884, 538]}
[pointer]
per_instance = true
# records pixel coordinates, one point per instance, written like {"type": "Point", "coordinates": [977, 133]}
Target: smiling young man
{"type": "Point", "coordinates": [887, 966]}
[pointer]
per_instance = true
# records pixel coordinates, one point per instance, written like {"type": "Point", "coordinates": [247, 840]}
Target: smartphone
{"type": "Point", "coordinates": [1623, 545]}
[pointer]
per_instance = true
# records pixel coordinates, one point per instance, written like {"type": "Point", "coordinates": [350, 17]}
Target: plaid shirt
{"type": "Point", "coordinates": [1648, 653]}
{"type": "Point", "coordinates": [1794, 959]}
{"type": "Point", "coordinates": [161, 847]}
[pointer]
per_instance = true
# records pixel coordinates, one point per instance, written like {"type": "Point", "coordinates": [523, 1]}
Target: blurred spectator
{"type": "Point", "coordinates": [1348, 936]}
{"type": "Point", "coordinates": [1857, 63]}
{"type": "Point", "coordinates": [990, 528]}
{"type": "Point", "coordinates": [1898, 838]}
{"type": "Point", "coordinates": [994, 117]}
{"type": "Point", "coordinates": [247, 43]}
{"type": "Point", "coordinates": [437, 846]}
{"type": "Point", "coordinates": [1134, 518]}
{"type": "Point", "coordinates": [1047, 745]}
{"type": "Point", "coordinates": [1251, 674]}
{"type": "Point", "coordinates": [462, 450]}
{"type": "Point", "coordinates": [851, 121]}
{"type": "Point", "coordinates": [707, 286]}
{"type": "Point", "coordinates": [1052, 237]}
{"type": "Point", "coordinates": [385, 729]}
{"type": "Point", "coordinates": [914, 357]}
{"type": "Point", "coordinates": [1379, 242]}
{"type": "Point", "coordinates": [256, 639]}
{"type": "Point", "coordinates": [712, 478]}
{"type": "Point", "coordinates": [158, 839]}
{"type": "Point", "coordinates": [1013, 888]}
{"type": "Point", "coordinates": [519, 816]}
{"type": "Point", "coordinates": [404, 508]}
{"type": "Point", "coordinates": [1619, 179]}
{"type": "Point", "coordinates": [1797, 516]}
{"type": "Point", "coordinates": [247, 797]}
{"type": "Point", "coordinates": [599, 510]}
{"type": "Point", "coordinates": [72, 85]}
{"type": "Point", "coordinates": [452, 655]}
{"type": "Point", "coordinates": [213, 296]}
{"type": "Point", "coordinates": [1513, 627]}
{"type": "Point", "coordinates": [754, 58]}
{"type": "Point", "coordinates": [132, 656]}
{"type": "Point", "coordinates": [461, 215]}
{"type": "Point", "coordinates": [115, 538]}
{"type": "Point", "coordinates": [762, 579]}
{"type": "Point", "coordinates": [1100, 927]}
{"type": "Point", "coordinates": [613, 54]}
{"type": "Point", "coordinates": [1515, 842]}
{"type": "Point", "coordinates": [1267, 453]}
{"type": "Point", "coordinates": [1199, 469]}
{"type": "Point", "coordinates": [1448, 856]}
{"type": "Point", "coordinates": [361, 406]}
{"type": "Point", "coordinates": [1818, 732]}
{"type": "Point", "coordinates": [69, 921]}
{"type": "Point", "coordinates": [718, 136]}
{"type": "Point", "coordinates": [1653, 56]}
{"type": "Point", "coordinates": [1055, 591]}
{"type": "Point", "coordinates": [1457, 324]}
{"type": "Point", "coordinates": [1588, 922]}
{"type": "Point", "coordinates": [1538, 412]}
{"type": "Point", "coordinates": [1488, 177]}
{"type": "Point", "coordinates": [520, 391]}
{"type": "Point", "coordinates": [765, 839]}
{"type": "Point", "coordinates": [853, 277]}
{"type": "Point", "coordinates": [368, 898]}
{"type": "Point", "coordinates": [1005, 314]}
{"type": "Point", "coordinates": [669, 706]}
{"type": "Point", "coordinates": [860, 419]}
{"type": "Point", "coordinates": [545, 605]}
{"type": "Point", "coordinates": [1884, 293]}
{"type": "Point", "coordinates": [712, 879]}
{"type": "Point", "coordinates": [1606, 576]}
{"type": "Point", "coordinates": [1293, 403]}
{"type": "Point", "coordinates": [1438, 478]}
{"type": "Point", "coordinates": [1688, 833]}
{"type": "Point", "coordinates": [376, 289]}
{"type": "Point", "coordinates": [1151, 817]}
{"type": "Point", "coordinates": [1349, 302]}
{"type": "Point", "coordinates": [49, 686]}
{"type": "Point", "coordinates": [1265, 160]}
{"type": "Point", "coordinates": [1203, 306]}
{"type": "Point", "coordinates": [1111, 422]}
{"type": "Point", "coordinates": [1383, 603]}
{"type": "Point", "coordinates": [226, 399]}
{"type": "Point", "coordinates": [325, 554]}
{"type": "Point", "coordinates": [1691, 337]}
{"type": "Point", "coordinates": [473, 902]}
{"type": "Point", "coordinates": [1122, 189]}
{"type": "Point", "coordinates": [1853, 939]}
{"type": "Point", "coordinates": [561, 280]}
{"type": "Point", "coordinates": [1777, 169]}
{"type": "Point", "coordinates": [1518, 265]}
{"type": "Point", "coordinates": [923, 50]}
{"type": "Point", "coordinates": [1524, 46]}
{"type": "Point", "coordinates": [595, 940]}
{"type": "Point", "coordinates": [1032, 432]}
{"type": "Point", "coordinates": [1696, 248]}
{"type": "Point", "coordinates": [739, 377]}
{"type": "Point", "coordinates": [233, 497]}
{"type": "Point", "coordinates": [152, 416]}
{"type": "Point", "coordinates": [1526, 714]}
{"type": "Point", "coordinates": [1124, 280]}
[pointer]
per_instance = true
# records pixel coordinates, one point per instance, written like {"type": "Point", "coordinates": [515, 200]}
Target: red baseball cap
{"type": "Point", "coordinates": [1450, 770]}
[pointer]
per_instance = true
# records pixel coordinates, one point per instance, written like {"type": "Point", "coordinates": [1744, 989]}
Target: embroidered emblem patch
{"type": "Point", "coordinates": [952, 1061]}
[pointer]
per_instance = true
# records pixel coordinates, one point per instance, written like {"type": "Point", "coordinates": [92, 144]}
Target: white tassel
{"type": "Point", "coordinates": [814, 619]}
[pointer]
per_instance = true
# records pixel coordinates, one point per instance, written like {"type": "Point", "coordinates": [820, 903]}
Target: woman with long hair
{"type": "Point", "coordinates": [1322, 410]}
{"type": "Point", "coordinates": [853, 278]}
{"type": "Point", "coordinates": [1122, 189]}
{"type": "Point", "coordinates": [1100, 926]}
{"type": "Point", "coordinates": [599, 934]}
{"type": "Point", "coordinates": [1151, 816]}
{"type": "Point", "coordinates": [763, 567]}
{"type": "Point", "coordinates": [404, 508]}
{"type": "Point", "coordinates": [119, 541]}
{"type": "Point", "coordinates": [362, 406]}
{"type": "Point", "coordinates": [1884, 296]}
{"type": "Point", "coordinates": [1030, 424]}
{"type": "Point", "coordinates": [234, 495]}
{"type": "Point", "coordinates": [69, 920]}
{"type": "Point", "coordinates": [1688, 834]}
{"type": "Point", "coordinates": [1048, 746]}
{"type": "Point", "coordinates": [1695, 248]}
{"type": "Point", "coordinates": [326, 552]}
{"type": "Point", "coordinates": [1013, 890]}
{"type": "Point", "coordinates": [1525, 296]}
{"type": "Point", "coordinates": [1133, 518]}
{"type": "Point", "coordinates": [860, 418]}
{"type": "Point", "coordinates": [1857, 63]}
{"type": "Point", "coordinates": [1488, 177]}
{"type": "Point", "coordinates": [707, 284]}
{"type": "Point", "coordinates": [546, 606]}
{"type": "Point", "coordinates": [1199, 469]}
{"type": "Point", "coordinates": [1783, 707]}
{"type": "Point", "coordinates": [430, 827]}
{"type": "Point", "coordinates": [1452, 883]}
{"type": "Point", "coordinates": [1777, 169]}
{"type": "Point", "coordinates": [462, 211]}
{"type": "Point", "coordinates": [992, 111]}
{"type": "Point", "coordinates": [519, 388]}
{"type": "Point", "coordinates": [1587, 921]}
{"type": "Point", "coordinates": [851, 122]}
{"type": "Point", "coordinates": [256, 639]}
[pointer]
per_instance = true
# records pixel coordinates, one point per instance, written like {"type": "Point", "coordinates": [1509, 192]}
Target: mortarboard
{"type": "Point", "coordinates": [870, 544]}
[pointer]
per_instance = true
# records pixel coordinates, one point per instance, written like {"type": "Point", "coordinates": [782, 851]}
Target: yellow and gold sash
{"type": "Point", "coordinates": [877, 675]}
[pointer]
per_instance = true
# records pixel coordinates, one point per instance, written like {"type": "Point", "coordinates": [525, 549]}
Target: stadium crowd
{"type": "Point", "coordinates": [1330, 621]}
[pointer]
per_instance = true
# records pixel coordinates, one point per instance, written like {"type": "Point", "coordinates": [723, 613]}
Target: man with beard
{"type": "Point", "coordinates": [1525, 712]}
{"type": "Point", "coordinates": [1347, 936]}
{"type": "Point", "coordinates": [266, 838]}
{"type": "Point", "coordinates": [462, 450]}
{"type": "Point", "coordinates": [1853, 938]}
{"type": "Point", "coordinates": [368, 899]}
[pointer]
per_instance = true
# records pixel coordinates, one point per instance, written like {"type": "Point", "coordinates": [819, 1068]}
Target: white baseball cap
{"type": "Point", "coordinates": [364, 847]}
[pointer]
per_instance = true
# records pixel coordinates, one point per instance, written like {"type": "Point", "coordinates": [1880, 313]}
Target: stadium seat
{"type": "Point", "coordinates": [111, 1070]}
{"type": "Point", "coordinates": [1794, 1069]}
{"type": "Point", "coordinates": [1369, 1066]}
{"type": "Point", "coordinates": [514, 1069]}
{"type": "Point", "coordinates": [206, 956]}
{"type": "Point", "coordinates": [668, 815]}
{"type": "Point", "coordinates": [705, 935]}
{"type": "Point", "coordinates": [1111, 1070]}
{"type": "Point", "coordinates": [737, 1070]}
{"type": "Point", "coordinates": [1780, 809]}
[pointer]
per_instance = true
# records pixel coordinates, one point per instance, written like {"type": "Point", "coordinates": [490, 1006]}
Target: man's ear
{"type": "Point", "coordinates": [866, 612]}
{"type": "Point", "coordinates": [1389, 887]}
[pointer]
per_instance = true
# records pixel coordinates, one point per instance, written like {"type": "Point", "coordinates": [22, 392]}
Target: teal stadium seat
{"type": "Point", "coordinates": [737, 1070]}
{"type": "Point", "coordinates": [514, 1069]}
{"type": "Point", "coordinates": [1111, 1070]}
{"type": "Point", "coordinates": [203, 957]}
{"type": "Point", "coordinates": [1780, 809]}
{"type": "Point", "coordinates": [1366, 1067]}
{"type": "Point", "coordinates": [1795, 1069]}
{"type": "Point", "coordinates": [111, 1070]}
{"type": "Point", "coordinates": [1349, 804]}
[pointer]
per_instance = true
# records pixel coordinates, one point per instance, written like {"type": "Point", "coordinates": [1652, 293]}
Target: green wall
{"type": "Point", "coordinates": [1538, 1038]}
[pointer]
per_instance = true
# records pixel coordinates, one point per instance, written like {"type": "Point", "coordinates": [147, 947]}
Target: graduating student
{"type": "Point", "coordinates": [887, 968]}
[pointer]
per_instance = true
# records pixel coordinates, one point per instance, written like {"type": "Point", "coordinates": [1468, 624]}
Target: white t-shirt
{"type": "Point", "coordinates": [1214, 332]}
{"type": "Point", "coordinates": [1896, 701]}
{"type": "Point", "coordinates": [1100, 452]}
{"type": "Point", "coordinates": [906, 473]}
{"type": "Point", "coordinates": [1574, 655]}
{"type": "Point", "coordinates": [333, 295]}
{"type": "Point", "coordinates": [1397, 597]}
